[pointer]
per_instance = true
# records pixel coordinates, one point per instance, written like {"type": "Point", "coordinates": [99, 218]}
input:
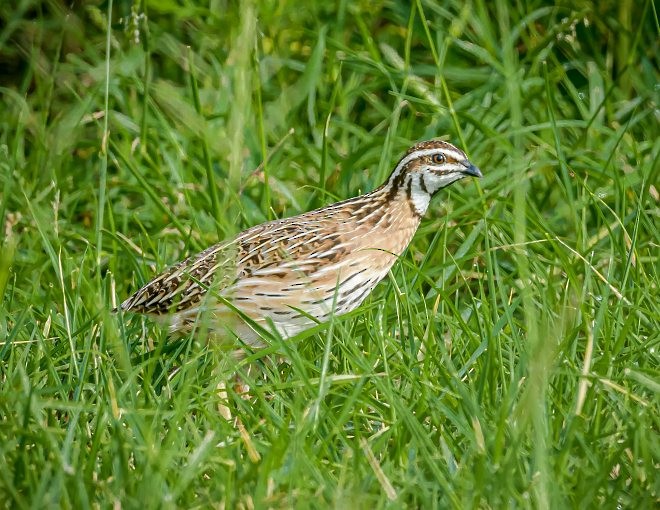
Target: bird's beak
{"type": "Point", "coordinates": [472, 170]}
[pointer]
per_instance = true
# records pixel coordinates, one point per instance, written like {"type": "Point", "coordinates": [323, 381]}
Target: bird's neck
{"type": "Point", "coordinates": [406, 190]}
{"type": "Point", "coordinates": [388, 218]}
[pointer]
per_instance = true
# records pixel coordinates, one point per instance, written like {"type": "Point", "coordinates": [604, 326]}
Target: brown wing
{"type": "Point", "coordinates": [184, 284]}
{"type": "Point", "coordinates": [263, 247]}
{"type": "Point", "coordinates": [278, 253]}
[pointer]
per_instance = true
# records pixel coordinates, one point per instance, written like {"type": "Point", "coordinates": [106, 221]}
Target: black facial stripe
{"type": "Point", "coordinates": [422, 184]}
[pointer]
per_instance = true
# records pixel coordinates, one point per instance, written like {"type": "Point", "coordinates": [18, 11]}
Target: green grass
{"type": "Point", "coordinates": [511, 360]}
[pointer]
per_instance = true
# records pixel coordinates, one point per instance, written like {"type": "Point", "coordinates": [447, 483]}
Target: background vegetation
{"type": "Point", "coordinates": [510, 361]}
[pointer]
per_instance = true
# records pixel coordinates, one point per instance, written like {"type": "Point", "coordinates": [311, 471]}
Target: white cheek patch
{"type": "Point", "coordinates": [419, 194]}
{"type": "Point", "coordinates": [420, 200]}
{"type": "Point", "coordinates": [424, 185]}
{"type": "Point", "coordinates": [433, 182]}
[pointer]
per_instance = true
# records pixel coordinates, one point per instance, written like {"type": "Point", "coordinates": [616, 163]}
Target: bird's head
{"type": "Point", "coordinates": [428, 167]}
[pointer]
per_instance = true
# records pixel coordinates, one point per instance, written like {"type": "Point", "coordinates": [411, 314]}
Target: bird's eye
{"type": "Point", "coordinates": [438, 159]}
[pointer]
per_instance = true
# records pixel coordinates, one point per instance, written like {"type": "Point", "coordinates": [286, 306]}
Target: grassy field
{"type": "Point", "coordinates": [510, 360]}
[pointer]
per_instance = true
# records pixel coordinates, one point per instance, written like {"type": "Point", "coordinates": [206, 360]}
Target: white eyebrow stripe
{"type": "Point", "coordinates": [414, 155]}
{"type": "Point", "coordinates": [427, 152]}
{"type": "Point", "coordinates": [455, 154]}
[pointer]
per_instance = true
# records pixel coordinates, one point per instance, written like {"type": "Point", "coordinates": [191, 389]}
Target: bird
{"type": "Point", "coordinates": [290, 274]}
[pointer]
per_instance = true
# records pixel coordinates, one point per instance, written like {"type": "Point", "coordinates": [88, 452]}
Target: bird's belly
{"type": "Point", "coordinates": [292, 305]}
